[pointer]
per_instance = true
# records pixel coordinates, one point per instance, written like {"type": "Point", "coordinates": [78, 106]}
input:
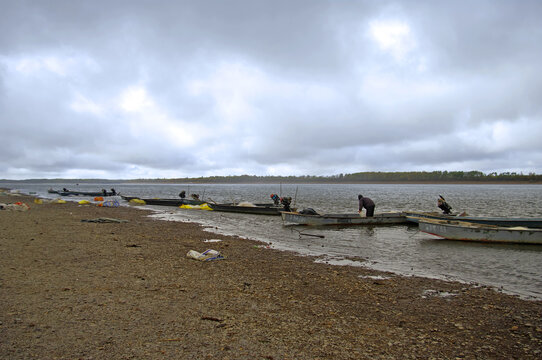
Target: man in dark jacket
{"type": "Point", "coordinates": [368, 204]}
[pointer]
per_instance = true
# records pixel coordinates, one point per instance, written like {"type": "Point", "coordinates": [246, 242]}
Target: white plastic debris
{"type": "Point", "coordinates": [207, 255]}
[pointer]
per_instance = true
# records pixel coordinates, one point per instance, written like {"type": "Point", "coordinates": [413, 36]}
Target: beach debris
{"type": "Point", "coordinates": [84, 202]}
{"type": "Point", "coordinates": [98, 198]}
{"type": "Point", "coordinates": [104, 220]}
{"type": "Point", "coordinates": [437, 293]}
{"type": "Point", "coordinates": [211, 318]}
{"type": "Point", "coordinates": [307, 234]}
{"type": "Point", "coordinates": [314, 235]}
{"type": "Point", "coordinates": [18, 206]}
{"type": "Point", "coordinates": [212, 240]}
{"type": "Point", "coordinates": [207, 255]}
{"type": "Point", "coordinates": [58, 201]}
{"type": "Point", "coordinates": [268, 246]}
{"type": "Point", "coordinates": [38, 201]}
{"type": "Point", "coordinates": [374, 277]}
{"type": "Point", "coordinates": [109, 203]}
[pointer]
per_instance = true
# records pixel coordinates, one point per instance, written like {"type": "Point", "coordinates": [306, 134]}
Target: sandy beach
{"type": "Point", "coordinates": [72, 287]}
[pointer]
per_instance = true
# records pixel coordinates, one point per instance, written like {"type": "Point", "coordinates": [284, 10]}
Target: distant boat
{"type": "Point", "coordinates": [247, 208]}
{"type": "Point", "coordinates": [467, 231]}
{"type": "Point", "coordinates": [392, 218]}
{"type": "Point", "coordinates": [166, 202]}
{"type": "Point", "coordinates": [82, 193]}
{"type": "Point", "coordinates": [499, 221]}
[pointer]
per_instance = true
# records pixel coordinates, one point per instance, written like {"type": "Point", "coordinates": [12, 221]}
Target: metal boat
{"type": "Point", "coordinates": [82, 193]}
{"type": "Point", "coordinates": [258, 209]}
{"type": "Point", "coordinates": [165, 202]}
{"type": "Point", "coordinates": [392, 218]}
{"type": "Point", "coordinates": [499, 221]}
{"type": "Point", "coordinates": [468, 231]}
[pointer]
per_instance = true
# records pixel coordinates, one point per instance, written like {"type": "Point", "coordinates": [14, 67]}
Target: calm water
{"type": "Point", "coordinates": [516, 269]}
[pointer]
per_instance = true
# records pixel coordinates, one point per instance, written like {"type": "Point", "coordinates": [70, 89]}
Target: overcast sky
{"type": "Point", "coordinates": [151, 89]}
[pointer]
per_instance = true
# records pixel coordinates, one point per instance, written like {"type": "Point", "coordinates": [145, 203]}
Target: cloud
{"type": "Point", "coordinates": [279, 88]}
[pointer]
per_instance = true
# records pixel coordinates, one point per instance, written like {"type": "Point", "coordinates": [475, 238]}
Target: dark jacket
{"type": "Point", "coordinates": [366, 203]}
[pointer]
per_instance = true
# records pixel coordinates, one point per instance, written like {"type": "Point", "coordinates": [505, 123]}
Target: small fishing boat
{"type": "Point", "coordinates": [82, 193]}
{"type": "Point", "coordinates": [248, 208]}
{"type": "Point", "coordinates": [165, 202]}
{"type": "Point", "coordinates": [468, 231]}
{"type": "Point", "coordinates": [392, 218]}
{"type": "Point", "coordinates": [499, 221]}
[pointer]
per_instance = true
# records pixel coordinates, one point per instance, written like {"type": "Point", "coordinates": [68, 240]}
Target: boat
{"type": "Point", "coordinates": [499, 221]}
{"type": "Point", "coordinates": [391, 218]}
{"type": "Point", "coordinates": [165, 202]}
{"type": "Point", "coordinates": [82, 193]}
{"type": "Point", "coordinates": [248, 208]}
{"type": "Point", "coordinates": [468, 231]}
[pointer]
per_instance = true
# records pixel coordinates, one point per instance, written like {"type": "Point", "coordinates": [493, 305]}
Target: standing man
{"type": "Point", "coordinates": [368, 204]}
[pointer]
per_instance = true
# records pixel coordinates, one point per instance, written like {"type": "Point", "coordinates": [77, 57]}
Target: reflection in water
{"type": "Point", "coordinates": [400, 249]}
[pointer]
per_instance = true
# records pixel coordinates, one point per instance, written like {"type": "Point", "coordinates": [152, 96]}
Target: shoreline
{"type": "Point", "coordinates": [132, 182]}
{"type": "Point", "coordinates": [73, 289]}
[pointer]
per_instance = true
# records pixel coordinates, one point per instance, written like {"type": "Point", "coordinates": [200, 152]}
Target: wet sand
{"type": "Point", "coordinates": [88, 290]}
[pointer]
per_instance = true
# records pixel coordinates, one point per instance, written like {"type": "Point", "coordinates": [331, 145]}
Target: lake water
{"type": "Point", "coordinates": [516, 269]}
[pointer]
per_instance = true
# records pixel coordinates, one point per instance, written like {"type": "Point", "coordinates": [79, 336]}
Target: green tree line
{"type": "Point", "coordinates": [368, 177]}
{"type": "Point", "coordinates": [360, 177]}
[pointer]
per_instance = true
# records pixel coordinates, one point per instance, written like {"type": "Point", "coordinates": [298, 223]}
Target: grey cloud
{"type": "Point", "coordinates": [254, 85]}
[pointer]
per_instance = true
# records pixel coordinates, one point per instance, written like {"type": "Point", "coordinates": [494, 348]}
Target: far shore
{"type": "Point", "coordinates": [206, 181]}
{"type": "Point", "coordinates": [162, 182]}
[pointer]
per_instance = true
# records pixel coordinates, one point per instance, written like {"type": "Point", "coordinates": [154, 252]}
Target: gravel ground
{"type": "Point", "coordinates": [88, 290]}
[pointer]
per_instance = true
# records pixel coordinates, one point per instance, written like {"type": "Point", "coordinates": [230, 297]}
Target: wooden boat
{"type": "Point", "coordinates": [258, 209]}
{"type": "Point", "coordinates": [499, 221]}
{"type": "Point", "coordinates": [467, 231]}
{"type": "Point", "coordinates": [344, 219]}
{"type": "Point", "coordinates": [165, 202]}
{"type": "Point", "coordinates": [82, 193]}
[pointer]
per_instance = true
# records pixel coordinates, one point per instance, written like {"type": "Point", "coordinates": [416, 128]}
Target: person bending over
{"type": "Point", "coordinates": [368, 204]}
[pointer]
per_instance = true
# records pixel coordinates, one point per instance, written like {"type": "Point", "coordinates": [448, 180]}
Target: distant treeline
{"type": "Point", "coordinates": [371, 177]}
{"type": "Point", "coordinates": [361, 177]}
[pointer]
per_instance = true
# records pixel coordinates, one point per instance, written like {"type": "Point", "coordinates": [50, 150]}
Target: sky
{"type": "Point", "coordinates": [128, 89]}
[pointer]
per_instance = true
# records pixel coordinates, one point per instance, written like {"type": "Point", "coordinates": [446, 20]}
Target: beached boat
{"type": "Point", "coordinates": [82, 193]}
{"type": "Point", "coordinates": [344, 219]}
{"type": "Point", "coordinates": [467, 231]}
{"type": "Point", "coordinates": [165, 202]}
{"type": "Point", "coordinates": [499, 221]}
{"type": "Point", "coordinates": [248, 208]}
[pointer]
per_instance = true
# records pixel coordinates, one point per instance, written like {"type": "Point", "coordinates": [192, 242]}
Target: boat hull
{"type": "Point", "coordinates": [465, 231]}
{"type": "Point", "coordinates": [343, 219]}
{"type": "Point", "coordinates": [258, 209]}
{"type": "Point", "coordinates": [498, 221]}
{"type": "Point", "coordinates": [81, 193]}
{"type": "Point", "coordinates": [166, 202]}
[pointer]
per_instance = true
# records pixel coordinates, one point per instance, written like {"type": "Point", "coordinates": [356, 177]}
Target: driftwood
{"type": "Point", "coordinates": [104, 220]}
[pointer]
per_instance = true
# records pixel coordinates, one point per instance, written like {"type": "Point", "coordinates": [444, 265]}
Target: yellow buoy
{"type": "Point", "coordinates": [137, 202]}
